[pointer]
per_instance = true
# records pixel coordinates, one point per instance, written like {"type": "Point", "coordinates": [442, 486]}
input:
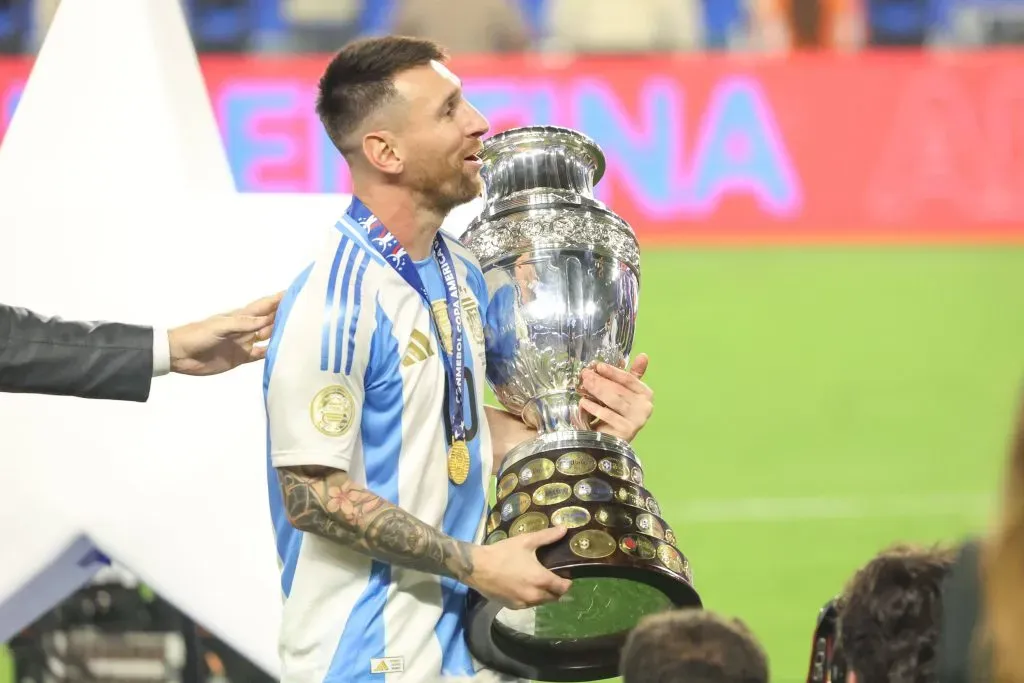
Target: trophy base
{"type": "Point", "coordinates": [496, 641]}
{"type": "Point", "coordinates": [618, 551]}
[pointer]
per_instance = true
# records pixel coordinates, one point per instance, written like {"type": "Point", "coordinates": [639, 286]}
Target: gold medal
{"type": "Point", "coordinates": [458, 462]}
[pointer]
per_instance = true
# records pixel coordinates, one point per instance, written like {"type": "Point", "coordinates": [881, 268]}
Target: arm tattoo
{"type": "Point", "coordinates": [327, 503]}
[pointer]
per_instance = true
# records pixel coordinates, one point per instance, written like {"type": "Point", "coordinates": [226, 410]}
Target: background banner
{"type": "Point", "coordinates": [855, 148]}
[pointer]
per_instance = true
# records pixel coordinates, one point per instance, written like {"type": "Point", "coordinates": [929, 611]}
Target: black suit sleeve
{"type": "Point", "coordinates": [102, 360]}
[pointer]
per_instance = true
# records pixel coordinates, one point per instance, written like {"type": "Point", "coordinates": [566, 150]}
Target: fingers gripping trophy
{"type": "Point", "coordinates": [563, 277]}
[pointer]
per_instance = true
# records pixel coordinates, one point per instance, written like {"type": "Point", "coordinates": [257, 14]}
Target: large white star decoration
{"type": "Point", "coordinates": [119, 204]}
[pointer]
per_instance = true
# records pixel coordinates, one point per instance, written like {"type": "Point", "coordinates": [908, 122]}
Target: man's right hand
{"type": "Point", "coordinates": [510, 573]}
{"type": "Point", "coordinates": [223, 342]}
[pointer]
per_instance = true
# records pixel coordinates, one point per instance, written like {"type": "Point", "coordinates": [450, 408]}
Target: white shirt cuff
{"type": "Point", "coordinates": [161, 352]}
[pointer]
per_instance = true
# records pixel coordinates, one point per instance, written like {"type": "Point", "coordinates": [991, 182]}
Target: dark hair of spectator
{"type": "Point", "coordinates": [890, 615]}
{"type": "Point", "coordinates": [696, 646]}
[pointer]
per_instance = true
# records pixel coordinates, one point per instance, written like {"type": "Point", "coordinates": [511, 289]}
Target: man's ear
{"type": "Point", "coordinates": [380, 150]}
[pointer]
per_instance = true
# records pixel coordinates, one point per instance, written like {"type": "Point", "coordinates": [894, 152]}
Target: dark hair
{"type": "Point", "coordinates": [890, 615]}
{"type": "Point", "coordinates": [695, 646]}
{"type": "Point", "coordinates": [360, 79]}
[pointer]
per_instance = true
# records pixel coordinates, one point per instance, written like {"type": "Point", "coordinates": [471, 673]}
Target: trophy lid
{"type": "Point", "coordinates": [540, 158]}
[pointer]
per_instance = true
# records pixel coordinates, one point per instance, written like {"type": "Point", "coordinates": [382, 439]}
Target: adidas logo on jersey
{"type": "Point", "coordinates": [417, 350]}
{"type": "Point", "coordinates": [387, 665]}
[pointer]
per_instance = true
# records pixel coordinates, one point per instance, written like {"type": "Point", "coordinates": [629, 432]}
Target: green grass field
{"type": "Point", "coordinates": [815, 405]}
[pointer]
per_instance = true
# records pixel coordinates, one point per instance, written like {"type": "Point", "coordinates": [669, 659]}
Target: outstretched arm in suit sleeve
{"type": "Point", "coordinates": [44, 355]}
{"type": "Point", "coordinates": [117, 361]}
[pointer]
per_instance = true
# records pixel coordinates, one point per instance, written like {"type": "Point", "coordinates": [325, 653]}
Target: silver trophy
{"type": "Point", "coordinates": [563, 279]}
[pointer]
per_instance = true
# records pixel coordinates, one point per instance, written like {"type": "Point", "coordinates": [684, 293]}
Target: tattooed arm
{"type": "Point", "coordinates": [326, 502]}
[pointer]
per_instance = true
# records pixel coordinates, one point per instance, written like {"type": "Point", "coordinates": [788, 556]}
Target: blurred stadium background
{"type": "Point", "coordinates": [830, 195]}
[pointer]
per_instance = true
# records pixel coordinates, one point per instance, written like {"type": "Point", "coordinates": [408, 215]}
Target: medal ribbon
{"type": "Point", "coordinates": [393, 252]}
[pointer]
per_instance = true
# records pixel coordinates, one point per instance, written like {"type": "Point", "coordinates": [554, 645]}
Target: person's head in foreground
{"type": "Point", "coordinates": [692, 646]}
{"type": "Point", "coordinates": [890, 616]}
{"type": "Point", "coordinates": [397, 115]}
{"type": "Point", "coordinates": [1001, 636]}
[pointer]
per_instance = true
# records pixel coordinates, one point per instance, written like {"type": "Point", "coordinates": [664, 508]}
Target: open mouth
{"type": "Point", "coordinates": [474, 158]}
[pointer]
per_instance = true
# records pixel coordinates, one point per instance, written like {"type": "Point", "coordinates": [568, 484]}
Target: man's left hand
{"type": "Point", "coordinates": [223, 342]}
{"type": "Point", "coordinates": [620, 401]}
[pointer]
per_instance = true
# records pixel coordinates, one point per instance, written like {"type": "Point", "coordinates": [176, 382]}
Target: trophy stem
{"type": "Point", "coordinates": [557, 411]}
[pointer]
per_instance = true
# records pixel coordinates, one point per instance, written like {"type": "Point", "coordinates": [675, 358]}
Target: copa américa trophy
{"type": "Point", "coordinates": [563, 278]}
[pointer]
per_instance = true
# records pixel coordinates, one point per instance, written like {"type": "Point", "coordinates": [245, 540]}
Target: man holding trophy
{"type": "Point", "coordinates": [381, 450]}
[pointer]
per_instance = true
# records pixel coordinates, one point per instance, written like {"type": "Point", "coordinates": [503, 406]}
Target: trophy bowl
{"type": "Point", "coordinates": [563, 279]}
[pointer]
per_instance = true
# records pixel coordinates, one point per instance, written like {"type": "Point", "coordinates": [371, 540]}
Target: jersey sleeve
{"type": "Point", "coordinates": [315, 377]}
